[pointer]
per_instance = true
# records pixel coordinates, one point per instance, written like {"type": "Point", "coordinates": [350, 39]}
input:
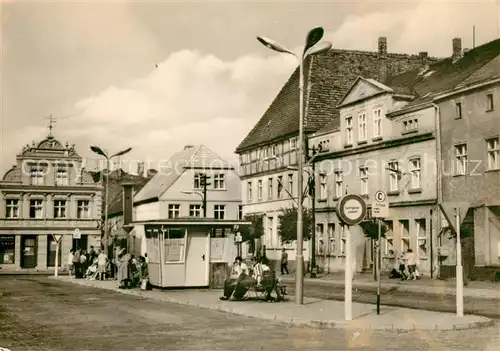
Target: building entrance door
{"type": "Point", "coordinates": [29, 251]}
{"type": "Point", "coordinates": [197, 260]}
{"type": "Point", "coordinates": [81, 243]}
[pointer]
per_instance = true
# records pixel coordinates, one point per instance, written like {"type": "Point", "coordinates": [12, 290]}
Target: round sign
{"type": "Point", "coordinates": [351, 209]}
{"type": "Point", "coordinates": [77, 231]}
{"type": "Point", "coordinates": [380, 196]}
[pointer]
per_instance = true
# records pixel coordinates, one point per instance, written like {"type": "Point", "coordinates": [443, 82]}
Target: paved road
{"type": "Point", "coordinates": [41, 314]}
{"type": "Point", "coordinates": [433, 302]}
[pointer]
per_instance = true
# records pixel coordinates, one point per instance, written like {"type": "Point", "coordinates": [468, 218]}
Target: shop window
{"type": "Point", "coordinates": [174, 245]}
{"type": "Point", "coordinates": [7, 249]}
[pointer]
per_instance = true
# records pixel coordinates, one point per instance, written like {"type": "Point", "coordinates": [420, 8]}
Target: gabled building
{"type": "Point", "coordinates": [270, 148]}
{"type": "Point", "coordinates": [45, 195]}
{"type": "Point", "coordinates": [428, 122]}
{"type": "Point", "coordinates": [176, 190]}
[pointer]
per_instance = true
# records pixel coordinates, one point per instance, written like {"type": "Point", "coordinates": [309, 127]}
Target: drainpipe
{"type": "Point", "coordinates": [439, 171]}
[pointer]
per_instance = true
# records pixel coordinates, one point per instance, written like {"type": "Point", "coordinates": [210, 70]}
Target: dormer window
{"type": "Point", "coordinates": [362, 126]}
{"type": "Point", "coordinates": [62, 177]}
{"type": "Point", "coordinates": [377, 123]}
{"type": "Point", "coordinates": [410, 125]}
{"type": "Point", "coordinates": [348, 131]}
{"type": "Point", "coordinates": [36, 176]}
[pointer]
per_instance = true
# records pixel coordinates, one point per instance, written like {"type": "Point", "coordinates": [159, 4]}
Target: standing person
{"type": "Point", "coordinates": [70, 263]}
{"type": "Point", "coordinates": [76, 263]}
{"type": "Point", "coordinates": [91, 254]}
{"type": "Point", "coordinates": [83, 263]}
{"type": "Point", "coordinates": [401, 258]}
{"type": "Point", "coordinates": [411, 261]}
{"type": "Point", "coordinates": [102, 260]}
{"type": "Point", "coordinates": [123, 269]}
{"type": "Point", "coordinates": [284, 262]}
{"type": "Point", "coordinates": [144, 273]}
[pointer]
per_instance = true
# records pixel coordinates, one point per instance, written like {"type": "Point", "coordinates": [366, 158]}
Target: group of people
{"type": "Point", "coordinates": [242, 278]}
{"type": "Point", "coordinates": [81, 263]}
{"type": "Point", "coordinates": [131, 272]}
{"type": "Point", "coordinates": [405, 266]}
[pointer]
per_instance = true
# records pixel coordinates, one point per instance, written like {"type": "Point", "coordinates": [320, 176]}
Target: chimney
{"type": "Point", "coordinates": [187, 147]}
{"type": "Point", "coordinates": [140, 169]}
{"type": "Point", "coordinates": [128, 202]}
{"type": "Point", "coordinates": [382, 45]}
{"type": "Point", "coordinates": [457, 48]}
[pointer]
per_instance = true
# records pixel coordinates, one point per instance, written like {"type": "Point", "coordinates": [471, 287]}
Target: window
{"type": "Point", "coordinates": [36, 208]}
{"type": "Point", "coordinates": [259, 189]}
{"type": "Point", "coordinates": [36, 176]}
{"type": "Point", "coordinates": [7, 249]}
{"type": "Point", "coordinates": [362, 126]}
{"type": "Point", "coordinates": [270, 188]}
{"type": "Point", "coordinates": [331, 238]}
{"type": "Point", "coordinates": [59, 208]}
{"type": "Point", "coordinates": [174, 245]}
{"type": "Point", "coordinates": [322, 187]}
{"type": "Point", "coordinates": [410, 125]}
{"type": "Point", "coordinates": [240, 212]}
{"type": "Point", "coordinates": [405, 234]}
{"type": "Point", "coordinates": [249, 190]}
{"type": "Point", "coordinates": [320, 238]}
{"type": "Point", "coordinates": [220, 211]}
{"type": "Point", "coordinates": [458, 110]}
{"type": "Point", "coordinates": [493, 150]}
{"type": "Point", "coordinates": [274, 150]}
{"type": "Point", "coordinates": [363, 173]}
{"type": "Point", "coordinates": [416, 172]}
{"type": "Point", "coordinates": [83, 209]}
{"type": "Point", "coordinates": [293, 143]}
{"type": "Point", "coordinates": [290, 184]}
{"type": "Point", "coordinates": [490, 106]}
{"type": "Point", "coordinates": [280, 187]}
{"type": "Point", "coordinates": [377, 123]}
{"type": "Point", "coordinates": [393, 176]}
{"type": "Point", "coordinates": [197, 181]}
{"type": "Point", "coordinates": [174, 211]}
{"type": "Point", "coordinates": [219, 181]}
{"type": "Point", "coordinates": [343, 242]}
{"type": "Point", "coordinates": [348, 131]}
{"type": "Point", "coordinates": [62, 177]}
{"type": "Point", "coordinates": [461, 157]}
{"type": "Point", "coordinates": [389, 240]}
{"type": "Point", "coordinates": [194, 210]}
{"type": "Point", "coordinates": [420, 228]}
{"type": "Point", "coordinates": [270, 230]}
{"type": "Point", "coordinates": [12, 208]}
{"type": "Point", "coordinates": [338, 184]}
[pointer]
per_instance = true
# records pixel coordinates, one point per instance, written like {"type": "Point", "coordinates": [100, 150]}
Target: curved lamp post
{"type": "Point", "coordinates": [312, 47]}
{"type": "Point", "coordinates": [99, 151]}
{"type": "Point", "coordinates": [203, 200]}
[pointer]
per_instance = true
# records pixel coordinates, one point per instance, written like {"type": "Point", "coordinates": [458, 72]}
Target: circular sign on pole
{"type": "Point", "coordinates": [380, 196]}
{"type": "Point", "coordinates": [351, 209]}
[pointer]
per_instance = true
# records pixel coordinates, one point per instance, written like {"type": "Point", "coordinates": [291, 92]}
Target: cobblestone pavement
{"type": "Point", "coordinates": [41, 314]}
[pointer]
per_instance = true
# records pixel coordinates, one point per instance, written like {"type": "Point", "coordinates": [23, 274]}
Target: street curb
{"type": "Point", "coordinates": [298, 322]}
{"type": "Point", "coordinates": [448, 291]}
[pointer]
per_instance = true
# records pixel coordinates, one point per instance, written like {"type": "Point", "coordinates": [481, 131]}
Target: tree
{"type": "Point", "coordinates": [287, 229]}
{"type": "Point", "coordinates": [370, 228]}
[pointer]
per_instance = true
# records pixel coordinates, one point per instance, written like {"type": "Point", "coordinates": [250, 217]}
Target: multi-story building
{"type": "Point", "coordinates": [384, 143]}
{"type": "Point", "coordinates": [47, 194]}
{"type": "Point", "coordinates": [176, 190]}
{"type": "Point", "coordinates": [270, 148]}
{"type": "Point", "coordinates": [469, 108]}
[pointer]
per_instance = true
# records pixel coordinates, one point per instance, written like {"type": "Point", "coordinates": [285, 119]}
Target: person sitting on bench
{"type": "Point", "coordinates": [239, 269]}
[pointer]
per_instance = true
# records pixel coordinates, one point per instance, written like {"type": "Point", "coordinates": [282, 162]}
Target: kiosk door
{"type": "Point", "coordinates": [197, 260]}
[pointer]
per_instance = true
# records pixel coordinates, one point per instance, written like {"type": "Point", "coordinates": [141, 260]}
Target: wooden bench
{"type": "Point", "coordinates": [269, 284]}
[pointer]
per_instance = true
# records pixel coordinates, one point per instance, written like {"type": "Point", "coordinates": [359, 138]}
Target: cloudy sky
{"type": "Point", "coordinates": [159, 75]}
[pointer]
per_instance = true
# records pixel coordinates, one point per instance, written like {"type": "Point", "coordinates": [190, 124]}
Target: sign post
{"type": "Point", "coordinates": [459, 210]}
{"type": "Point", "coordinates": [351, 210]}
{"type": "Point", "coordinates": [57, 239]}
{"type": "Point", "coordinates": [382, 212]}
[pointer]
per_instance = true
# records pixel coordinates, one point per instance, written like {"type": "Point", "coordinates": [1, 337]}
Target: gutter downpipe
{"type": "Point", "coordinates": [439, 188]}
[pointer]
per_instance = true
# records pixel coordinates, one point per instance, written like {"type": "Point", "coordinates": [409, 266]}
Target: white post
{"type": "Point", "coordinates": [57, 259]}
{"type": "Point", "coordinates": [459, 274]}
{"type": "Point", "coordinates": [348, 274]}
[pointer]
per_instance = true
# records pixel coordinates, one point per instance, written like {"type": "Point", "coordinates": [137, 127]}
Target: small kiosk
{"type": "Point", "coordinates": [190, 252]}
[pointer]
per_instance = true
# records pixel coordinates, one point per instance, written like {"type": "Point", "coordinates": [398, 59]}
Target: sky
{"type": "Point", "coordinates": [157, 76]}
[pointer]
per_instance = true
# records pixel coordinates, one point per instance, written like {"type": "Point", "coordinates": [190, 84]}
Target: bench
{"type": "Point", "coordinates": [269, 284]}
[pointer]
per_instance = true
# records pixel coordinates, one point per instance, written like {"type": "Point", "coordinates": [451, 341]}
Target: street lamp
{"type": "Point", "coordinates": [99, 151]}
{"type": "Point", "coordinates": [312, 47]}
{"type": "Point", "coordinates": [203, 200]}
